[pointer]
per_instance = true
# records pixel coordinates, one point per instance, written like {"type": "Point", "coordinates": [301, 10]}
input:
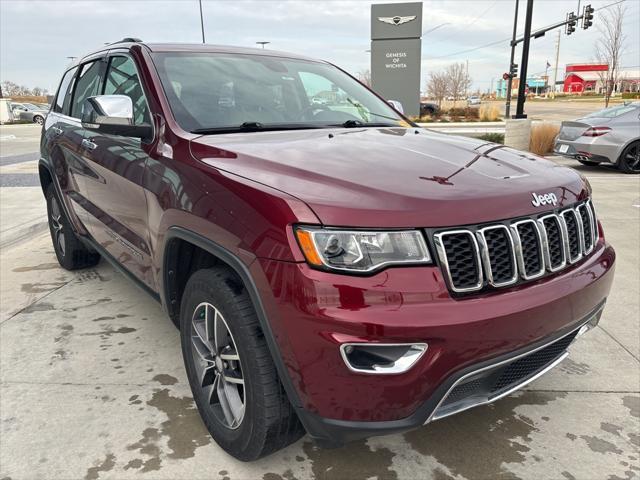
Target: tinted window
{"type": "Point", "coordinates": [122, 79]}
{"type": "Point", "coordinates": [63, 98]}
{"type": "Point", "coordinates": [613, 112]}
{"type": "Point", "coordinates": [86, 86]}
{"type": "Point", "coordinates": [211, 90]}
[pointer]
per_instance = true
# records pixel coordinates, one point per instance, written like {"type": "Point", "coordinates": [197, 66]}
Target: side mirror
{"type": "Point", "coordinates": [396, 105]}
{"type": "Point", "coordinates": [113, 115]}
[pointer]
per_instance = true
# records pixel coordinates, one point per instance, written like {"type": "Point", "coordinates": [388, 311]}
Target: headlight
{"type": "Point", "coordinates": [361, 251]}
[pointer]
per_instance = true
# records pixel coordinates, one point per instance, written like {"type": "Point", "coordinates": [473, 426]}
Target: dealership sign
{"type": "Point", "coordinates": [396, 53]}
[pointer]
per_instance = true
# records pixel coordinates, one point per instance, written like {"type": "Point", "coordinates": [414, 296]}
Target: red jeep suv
{"type": "Point", "coordinates": [333, 268]}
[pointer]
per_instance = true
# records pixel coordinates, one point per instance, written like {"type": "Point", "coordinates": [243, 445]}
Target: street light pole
{"type": "Point", "coordinates": [507, 107]}
{"type": "Point", "coordinates": [263, 44]}
{"type": "Point", "coordinates": [201, 21]}
{"type": "Point", "coordinates": [525, 61]}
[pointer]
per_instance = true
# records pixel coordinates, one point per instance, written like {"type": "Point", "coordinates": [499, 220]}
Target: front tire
{"type": "Point", "coordinates": [629, 161]}
{"type": "Point", "coordinates": [38, 119]}
{"type": "Point", "coordinates": [231, 373]}
{"type": "Point", "coordinates": [71, 253]}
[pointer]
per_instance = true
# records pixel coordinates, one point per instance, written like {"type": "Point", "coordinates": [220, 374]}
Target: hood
{"type": "Point", "coordinates": [393, 177]}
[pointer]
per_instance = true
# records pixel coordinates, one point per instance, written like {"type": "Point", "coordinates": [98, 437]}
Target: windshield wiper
{"type": "Point", "coordinates": [255, 127]}
{"type": "Point", "coordinates": [359, 123]}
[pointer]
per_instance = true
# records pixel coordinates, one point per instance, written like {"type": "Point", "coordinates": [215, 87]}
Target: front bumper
{"type": "Point", "coordinates": [313, 313]}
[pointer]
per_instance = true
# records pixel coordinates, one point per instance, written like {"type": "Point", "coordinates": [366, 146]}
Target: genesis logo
{"type": "Point", "coordinates": [397, 20]}
{"type": "Point", "coordinates": [546, 199]}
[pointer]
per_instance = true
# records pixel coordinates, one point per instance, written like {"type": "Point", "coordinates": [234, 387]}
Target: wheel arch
{"type": "Point", "coordinates": [623, 148]}
{"type": "Point", "coordinates": [176, 238]}
{"type": "Point", "coordinates": [46, 178]}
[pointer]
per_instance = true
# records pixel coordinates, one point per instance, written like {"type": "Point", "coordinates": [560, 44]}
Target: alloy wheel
{"type": "Point", "coordinates": [217, 365]}
{"type": "Point", "coordinates": [57, 227]}
{"type": "Point", "coordinates": [632, 158]}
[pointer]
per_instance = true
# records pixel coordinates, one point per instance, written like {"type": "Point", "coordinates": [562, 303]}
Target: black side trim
{"type": "Point", "coordinates": [118, 266]}
{"type": "Point", "coordinates": [243, 272]}
{"type": "Point", "coordinates": [330, 432]}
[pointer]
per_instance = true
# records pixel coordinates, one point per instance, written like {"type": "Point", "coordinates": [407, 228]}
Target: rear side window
{"type": "Point", "coordinates": [122, 79]}
{"type": "Point", "coordinates": [86, 86]}
{"type": "Point", "coordinates": [63, 99]}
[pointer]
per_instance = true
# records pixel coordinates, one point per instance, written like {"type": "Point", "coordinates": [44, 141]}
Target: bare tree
{"type": "Point", "coordinates": [458, 80]}
{"type": "Point", "coordinates": [365, 77]}
{"type": "Point", "coordinates": [608, 48]}
{"type": "Point", "coordinates": [437, 86]}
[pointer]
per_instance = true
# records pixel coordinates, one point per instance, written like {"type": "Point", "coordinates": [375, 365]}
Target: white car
{"type": "Point", "coordinates": [473, 100]}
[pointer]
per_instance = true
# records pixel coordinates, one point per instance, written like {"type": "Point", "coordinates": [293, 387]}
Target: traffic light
{"type": "Point", "coordinates": [587, 16]}
{"type": "Point", "coordinates": [571, 23]}
{"type": "Point", "coordinates": [514, 70]}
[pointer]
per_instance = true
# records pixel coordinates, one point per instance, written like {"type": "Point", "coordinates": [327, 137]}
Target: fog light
{"type": "Point", "coordinates": [381, 358]}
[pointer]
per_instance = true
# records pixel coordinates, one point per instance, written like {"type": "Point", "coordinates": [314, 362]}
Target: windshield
{"type": "Point", "coordinates": [218, 91]}
{"type": "Point", "coordinates": [613, 111]}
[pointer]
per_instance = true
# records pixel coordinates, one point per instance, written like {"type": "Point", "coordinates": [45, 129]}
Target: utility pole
{"type": "Point", "coordinates": [555, 68]}
{"type": "Point", "coordinates": [201, 21]}
{"type": "Point", "coordinates": [525, 61]}
{"type": "Point", "coordinates": [507, 107]}
{"type": "Point", "coordinates": [466, 85]}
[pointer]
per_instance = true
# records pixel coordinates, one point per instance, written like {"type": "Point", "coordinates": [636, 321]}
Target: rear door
{"type": "Point", "coordinates": [61, 144]}
{"type": "Point", "coordinates": [118, 219]}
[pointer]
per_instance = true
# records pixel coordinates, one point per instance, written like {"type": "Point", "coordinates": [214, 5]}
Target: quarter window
{"type": "Point", "coordinates": [122, 79]}
{"type": "Point", "coordinates": [86, 86]}
{"type": "Point", "coordinates": [63, 99]}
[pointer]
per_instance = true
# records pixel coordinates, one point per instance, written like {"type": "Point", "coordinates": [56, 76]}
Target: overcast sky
{"type": "Point", "coordinates": [37, 36]}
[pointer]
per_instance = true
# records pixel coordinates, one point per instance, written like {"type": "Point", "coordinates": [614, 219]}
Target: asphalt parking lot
{"type": "Point", "coordinates": [92, 384]}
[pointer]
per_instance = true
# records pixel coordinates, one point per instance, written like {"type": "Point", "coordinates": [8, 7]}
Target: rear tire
{"type": "Point", "coordinates": [629, 161]}
{"type": "Point", "coordinates": [72, 254]}
{"type": "Point", "coordinates": [38, 119]}
{"type": "Point", "coordinates": [234, 381]}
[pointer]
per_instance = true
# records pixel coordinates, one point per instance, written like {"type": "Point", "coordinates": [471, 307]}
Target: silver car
{"type": "Point", "coordinates": [611, 136]}
{"type": "Point", "coordinates": [29, 112]}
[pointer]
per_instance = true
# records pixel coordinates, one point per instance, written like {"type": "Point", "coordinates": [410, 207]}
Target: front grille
{"type": "Point", "coordinates": [552, 227]}
{"type": "Point", "coordinates": [515, 251]}
{"type": "Point", "coordinates": [493, 382]}
{"type": "Point", "coordinates": [461, 257]}
{"type": "Point", "coordinates": [573, 234]}
{"type": "Point", "coordinates": [532, 260]}
{"type": "Point", "coordinates": [500, 262]}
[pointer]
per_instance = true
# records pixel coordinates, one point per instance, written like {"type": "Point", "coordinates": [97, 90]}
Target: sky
{"type": "Point", "coordinates": [36, 37]}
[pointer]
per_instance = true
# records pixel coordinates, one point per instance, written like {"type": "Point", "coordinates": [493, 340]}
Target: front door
{"type": "Point", "coordinates": [118, 205]}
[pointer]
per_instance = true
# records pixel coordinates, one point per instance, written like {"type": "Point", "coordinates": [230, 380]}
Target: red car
{"type": "Point", "coordinates": [333, 268]}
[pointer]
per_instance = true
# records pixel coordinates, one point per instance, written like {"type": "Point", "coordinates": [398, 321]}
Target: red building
{"type": "Point", "coordinates": [583, 77]}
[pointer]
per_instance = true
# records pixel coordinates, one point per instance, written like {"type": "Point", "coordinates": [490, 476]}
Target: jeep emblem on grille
{"type": "Point", "coordinates": [546, 199]}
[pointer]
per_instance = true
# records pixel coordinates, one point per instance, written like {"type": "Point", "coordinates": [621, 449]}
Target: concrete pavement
{"type": "Point", "coordinates": [92, 384]}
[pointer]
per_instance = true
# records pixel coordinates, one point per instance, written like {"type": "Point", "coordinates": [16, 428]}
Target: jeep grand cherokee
{"type": "Point", "coordinates": [333, 268]}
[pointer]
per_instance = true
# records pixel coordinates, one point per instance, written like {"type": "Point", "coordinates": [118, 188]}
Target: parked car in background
{"type": "Point", "coordinates": [609, 136]}
{"type": "Point", "coordinates": [428, 108]}
{"type": "Point", "coordinates": [474, 100]}
{"type": "Point", "coordinates": [333, 269]}
{"type": "Point", "coordinates": [29, 112]}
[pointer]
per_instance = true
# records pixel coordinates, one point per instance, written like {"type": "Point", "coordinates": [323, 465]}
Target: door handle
{"type": "Point", "coordinates": [56, 131]}
{"type": "Point", "coordinates": [89, 145]}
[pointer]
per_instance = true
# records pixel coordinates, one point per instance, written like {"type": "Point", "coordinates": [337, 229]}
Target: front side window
{"type": "Point", "coordinates": [122, 79]}
{"type": "Point", "coordinates": [63, 99]}
{"type": "Point", "coordinates": [86, 86]}
{"type": "Point", "coordinates": [218, 91]}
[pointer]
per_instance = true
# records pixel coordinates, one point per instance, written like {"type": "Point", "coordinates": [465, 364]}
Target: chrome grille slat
{"type": "Point", "coordinates": [456, 282]}
{"type": "Point", "coordinates": [511, 252]}
{"type": "Point", "coordinates": [573, 230]}
{"type": "Point", "coordinates": [490, 260]}
{"type": "Point", "coordinates": [553, 242]}
{"type": "Point", "coordinates": [528, 249]}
